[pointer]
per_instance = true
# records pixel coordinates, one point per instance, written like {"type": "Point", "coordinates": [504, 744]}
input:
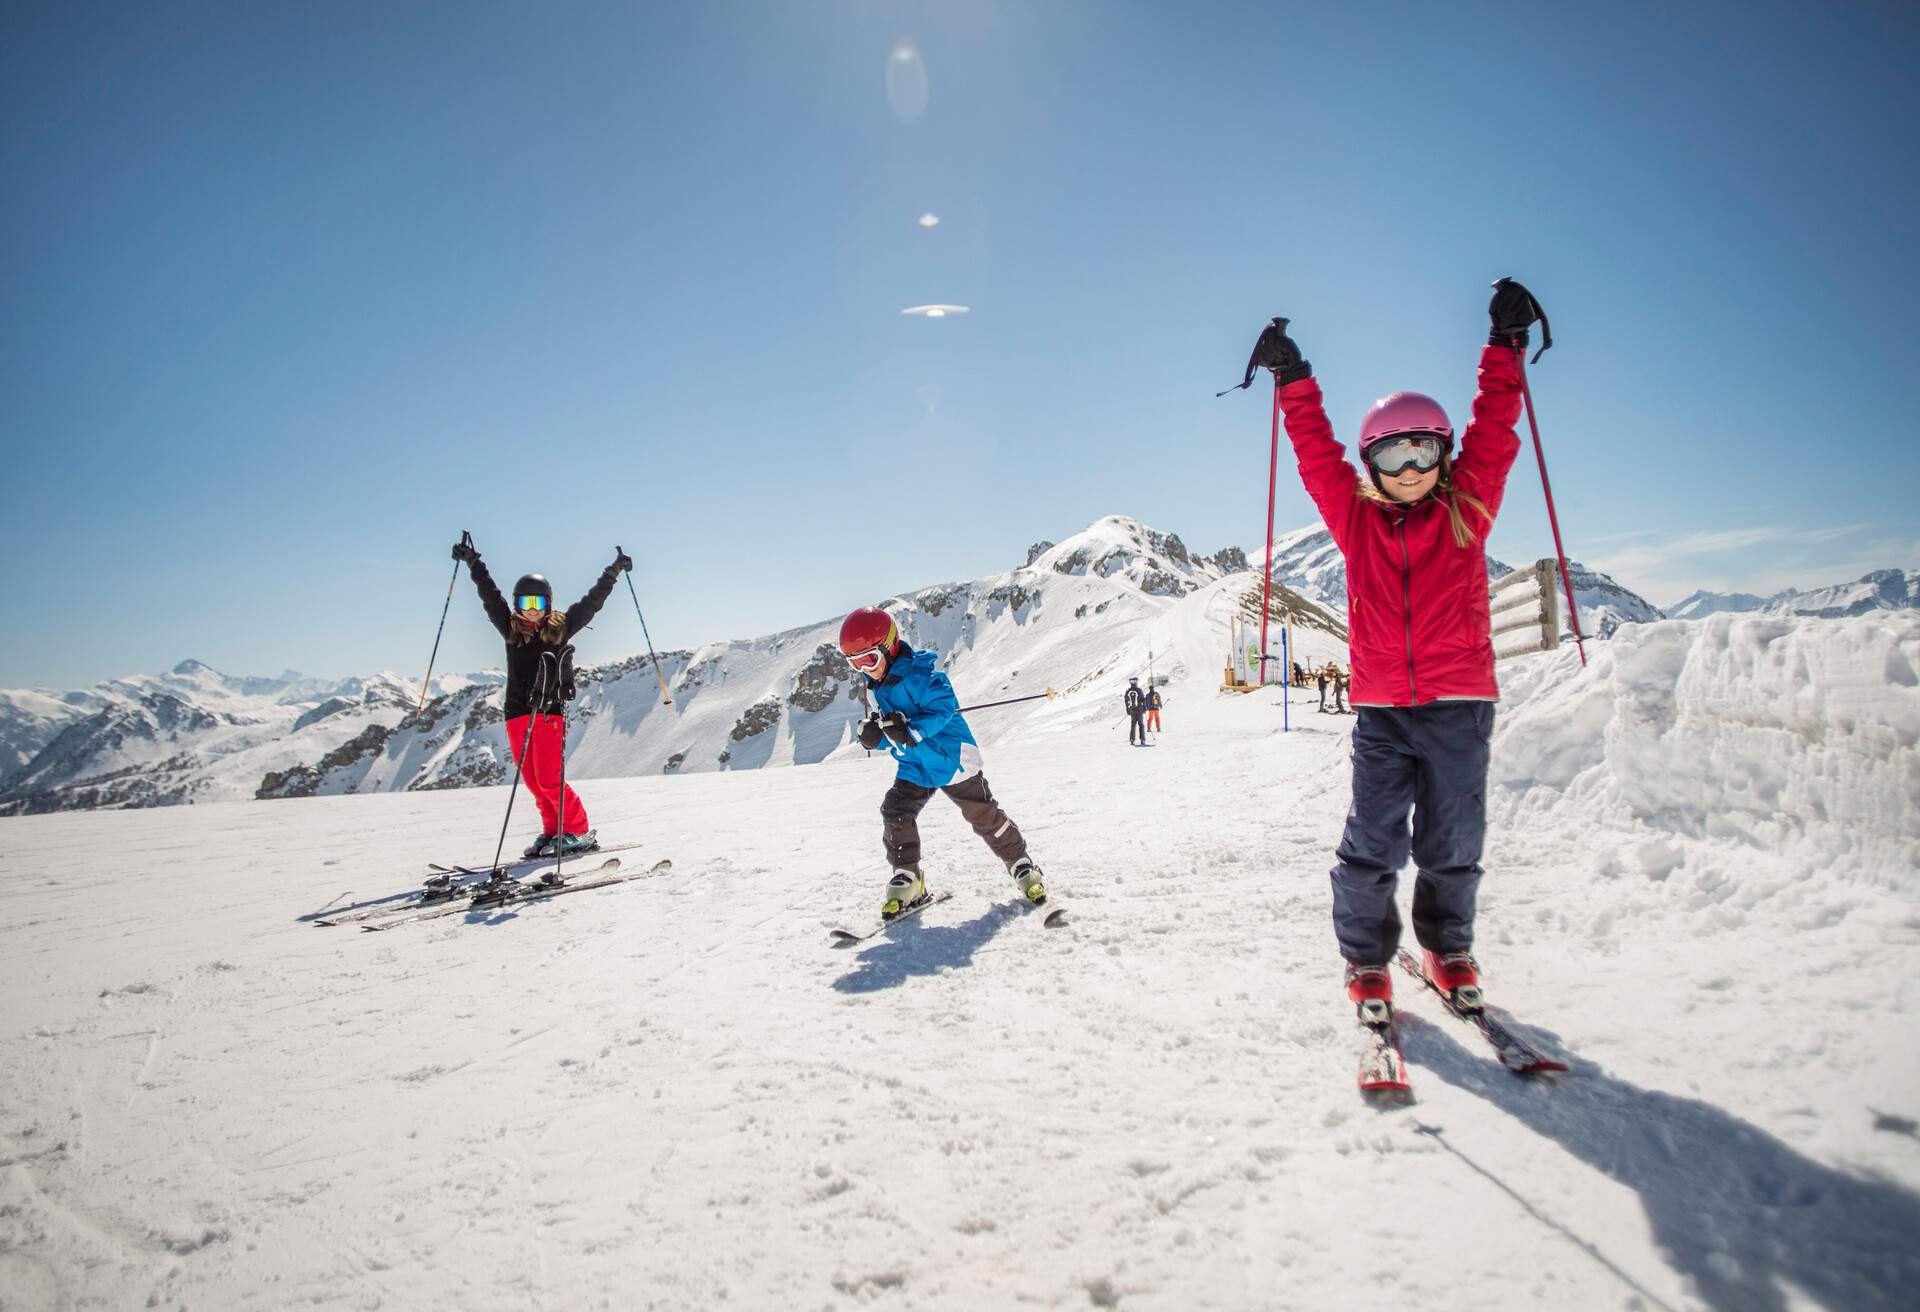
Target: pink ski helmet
{"type": "Point", "coordinates": [1404, 412]}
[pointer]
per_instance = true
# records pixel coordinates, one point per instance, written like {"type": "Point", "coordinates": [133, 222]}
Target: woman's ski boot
{"type": "Point", "coordinates": [578, 844]}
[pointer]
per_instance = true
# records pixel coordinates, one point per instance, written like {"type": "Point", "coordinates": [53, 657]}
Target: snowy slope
{"type": "Point", "coordinates": [1702, 889]}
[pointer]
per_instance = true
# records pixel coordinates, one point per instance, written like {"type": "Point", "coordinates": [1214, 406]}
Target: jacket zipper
{"type": "Point", "coordinates": [1406, 603]}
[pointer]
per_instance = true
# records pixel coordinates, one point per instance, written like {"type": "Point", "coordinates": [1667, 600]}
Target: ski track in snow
{"type": "Point", "coordinates": [675, 1094]}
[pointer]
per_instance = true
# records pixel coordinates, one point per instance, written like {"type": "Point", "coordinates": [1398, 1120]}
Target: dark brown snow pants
{"type": "Point", "coordinates": [900, 811]}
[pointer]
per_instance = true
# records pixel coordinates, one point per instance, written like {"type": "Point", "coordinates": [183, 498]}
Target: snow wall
{"type": "Point", "coordinates": [1747, 752]}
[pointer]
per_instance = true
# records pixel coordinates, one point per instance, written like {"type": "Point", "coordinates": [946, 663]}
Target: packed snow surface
{"type": "Point", "coordinates": [1702, 891]}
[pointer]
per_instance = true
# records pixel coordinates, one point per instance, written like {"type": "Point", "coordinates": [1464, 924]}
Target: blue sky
{"type": "Point", "coordinates": [295, 294]}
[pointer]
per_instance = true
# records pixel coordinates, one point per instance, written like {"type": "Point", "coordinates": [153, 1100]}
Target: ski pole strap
{"type": "Point", "coordinates": [1546, 329]}
{"type": "Point", "coordinates": [1266, 355]}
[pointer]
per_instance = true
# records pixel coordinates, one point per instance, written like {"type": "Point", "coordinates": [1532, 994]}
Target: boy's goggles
{"type": "Point", "coordinates": [530, 603]}
{"type": "Point", "coordinates": [1397, 454]}
{"type": "Point", "coordinates": [868, 661]}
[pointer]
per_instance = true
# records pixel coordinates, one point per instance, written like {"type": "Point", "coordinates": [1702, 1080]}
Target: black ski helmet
{"type": "Point", "coordinates": [533, 585]}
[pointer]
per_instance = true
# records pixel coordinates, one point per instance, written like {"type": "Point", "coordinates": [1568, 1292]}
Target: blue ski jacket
{"type": "Point", "coordinates": [925, 696]}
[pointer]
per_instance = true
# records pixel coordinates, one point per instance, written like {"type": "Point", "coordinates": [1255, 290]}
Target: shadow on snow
{"type": "Point", "coordinates": [1737, 1212]}
{"type": "Point", "coordinates": [917, 948]}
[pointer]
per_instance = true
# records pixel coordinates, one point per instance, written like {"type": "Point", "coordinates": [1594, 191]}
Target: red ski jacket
{"type": "Point", "coordinates": [1418, 627]}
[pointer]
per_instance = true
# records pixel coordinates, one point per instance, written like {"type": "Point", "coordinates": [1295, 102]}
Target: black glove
{"type": "Point", "coordinates": [895, 726]}
{"type": "Point", "coordinates": [1276, 351]}
{"type": "Point", "coordinates": [622, 562]}
{"type": "Point", "coordinates": [869, 733]}
{"type": "Point", "coordinates": [465, 550]}
{"type": "Point", "coordinates": [1513, 310]}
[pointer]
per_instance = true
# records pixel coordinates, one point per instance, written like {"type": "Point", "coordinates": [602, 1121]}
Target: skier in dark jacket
{"type": "Point", "coordinates": [920, 724]}
{"type": "Point", "coordinates": [539, 675]}
{"type": "Point", "coordinates": [1136, 702]}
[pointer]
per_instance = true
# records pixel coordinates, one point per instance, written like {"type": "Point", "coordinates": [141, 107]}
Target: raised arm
{"type": "Point", "coordinates": [496, 607]}
{"type": "Point", "coordinates": [1330, 478]}
{"type": "Point", "coordinates": [1490, 444]}
{"type": "Point", "coordinates": [581, 613]}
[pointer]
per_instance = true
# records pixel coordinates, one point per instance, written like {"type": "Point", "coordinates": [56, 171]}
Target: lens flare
{"type": "Point", "coordinates": [906, 82]}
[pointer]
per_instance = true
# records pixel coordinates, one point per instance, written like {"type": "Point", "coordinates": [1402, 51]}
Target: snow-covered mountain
{"type": "Point", "coordinates": [190, 734]}
{"type": "Point", "coordinates": [1883, 589]}
{"type": "Point", "coordinates": [197, 735]}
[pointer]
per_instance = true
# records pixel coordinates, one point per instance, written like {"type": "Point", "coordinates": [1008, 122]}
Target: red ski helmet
{"type": "Point", "coordinates": [1404, 412]}
{"type": "Point", "coordinates": [867, 628]}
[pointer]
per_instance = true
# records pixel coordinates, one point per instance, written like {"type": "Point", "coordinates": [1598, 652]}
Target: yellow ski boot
{"type": "Point", "coordinates": [906, 890]}
{"type": "Point", "coordinates": [1027, 875]}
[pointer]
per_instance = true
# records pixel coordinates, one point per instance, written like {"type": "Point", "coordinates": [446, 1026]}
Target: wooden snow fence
{"type": "Point", "coordinates": [1525, 610]}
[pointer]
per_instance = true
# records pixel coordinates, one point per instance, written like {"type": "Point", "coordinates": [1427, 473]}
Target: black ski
{"type": "Point", "coordinates": [432, 895]}
{"type": "Point", "coordinates": [513, 893]}
{"type": "Point", "coordinates": [843, 937]}
{"type": "Point", "coordinates": [1515, 1053]}
{"type": "Point", "coordinates": [525, 863]}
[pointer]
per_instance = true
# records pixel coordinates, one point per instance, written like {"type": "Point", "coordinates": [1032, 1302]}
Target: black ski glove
{"type": "Point", "coordinates": [870, 734]}
{"type": "Point", "coordinates": [465, 550]}
{"type": "Point", "coordinates": [1513, 310]}
{"type": "Point", "coordinates": [622, 562]}
{"type": "Point", "coordinates": [1276, 351]}
{"type": "Point", "coordinates": [895, 726]}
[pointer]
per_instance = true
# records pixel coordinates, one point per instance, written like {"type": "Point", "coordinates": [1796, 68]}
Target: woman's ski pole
{"type": "Point", "coordinates": [466, 540]}
{"type": "Point", "coordinates": [648, 636]}
{"type": "Point", "coordinates": [520, 762]}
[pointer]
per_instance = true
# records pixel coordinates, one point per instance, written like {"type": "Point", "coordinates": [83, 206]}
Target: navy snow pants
{"type": "Point", "coordinates": [1431, 762]}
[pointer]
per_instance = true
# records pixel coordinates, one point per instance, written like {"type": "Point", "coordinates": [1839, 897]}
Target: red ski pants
{"type": "Point", "coordinates": [540, 770]}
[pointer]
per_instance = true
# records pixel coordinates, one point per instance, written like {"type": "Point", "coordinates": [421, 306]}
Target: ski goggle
{"type": "Point", "coordinates": [530, 603]}
{"type": "Point", "coordinates": [868, 661]}
{"type": "Point", "coordinates": [1396, 455]}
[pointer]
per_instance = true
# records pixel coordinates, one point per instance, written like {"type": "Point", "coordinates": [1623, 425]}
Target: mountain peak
{"type": "Point", "coordinates": [1157, 563]}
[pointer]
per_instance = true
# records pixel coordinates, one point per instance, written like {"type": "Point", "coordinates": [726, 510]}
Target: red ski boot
{"type": "Point", "coordinates": [1370, 989]}
{"type": "Point", "coordinates": [1457, 976]}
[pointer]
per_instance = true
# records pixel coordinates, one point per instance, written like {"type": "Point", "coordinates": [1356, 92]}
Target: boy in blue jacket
{"type": "Point", "coordinates": [920, 722]}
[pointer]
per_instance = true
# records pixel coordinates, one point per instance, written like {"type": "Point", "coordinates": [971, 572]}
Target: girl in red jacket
{"type": "Point", "coordinates": [1412, 522]}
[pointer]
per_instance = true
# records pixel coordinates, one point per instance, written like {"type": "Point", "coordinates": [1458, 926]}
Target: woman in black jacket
{"type": "Point", "coordinates": [539, 666]}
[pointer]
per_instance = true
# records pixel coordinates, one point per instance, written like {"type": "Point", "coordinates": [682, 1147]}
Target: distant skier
{"type": "Point", "coordinates": [1323, 687]}
{"type": "Point", "coordinates": [1136, 703]}
{"type": "Point", "coordinates": [1413, 533]}
{"type": "Point", "coordinates": [1340, 681]}
{"type": "Point", "coordinates": [919, 720]}
{"type": "Point", "coordinates": [1153, 711]}
{"type": "Point", "coordinates": [533, 630]}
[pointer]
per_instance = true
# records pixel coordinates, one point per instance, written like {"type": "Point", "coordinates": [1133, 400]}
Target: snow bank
{"type": "Point", "coordinates": [1782, 744]}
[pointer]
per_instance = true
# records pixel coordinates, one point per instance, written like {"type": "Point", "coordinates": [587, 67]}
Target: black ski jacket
{"type": "Point", "coordinates": [523, 658]}
{"type": "Point", "coordinates": [1136, 702]}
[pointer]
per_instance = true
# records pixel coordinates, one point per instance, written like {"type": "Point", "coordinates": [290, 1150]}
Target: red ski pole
{"type": "Point", "coordinates": [1566, 579]}
{"type": "Point", "coordinates": [1266, 578]}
